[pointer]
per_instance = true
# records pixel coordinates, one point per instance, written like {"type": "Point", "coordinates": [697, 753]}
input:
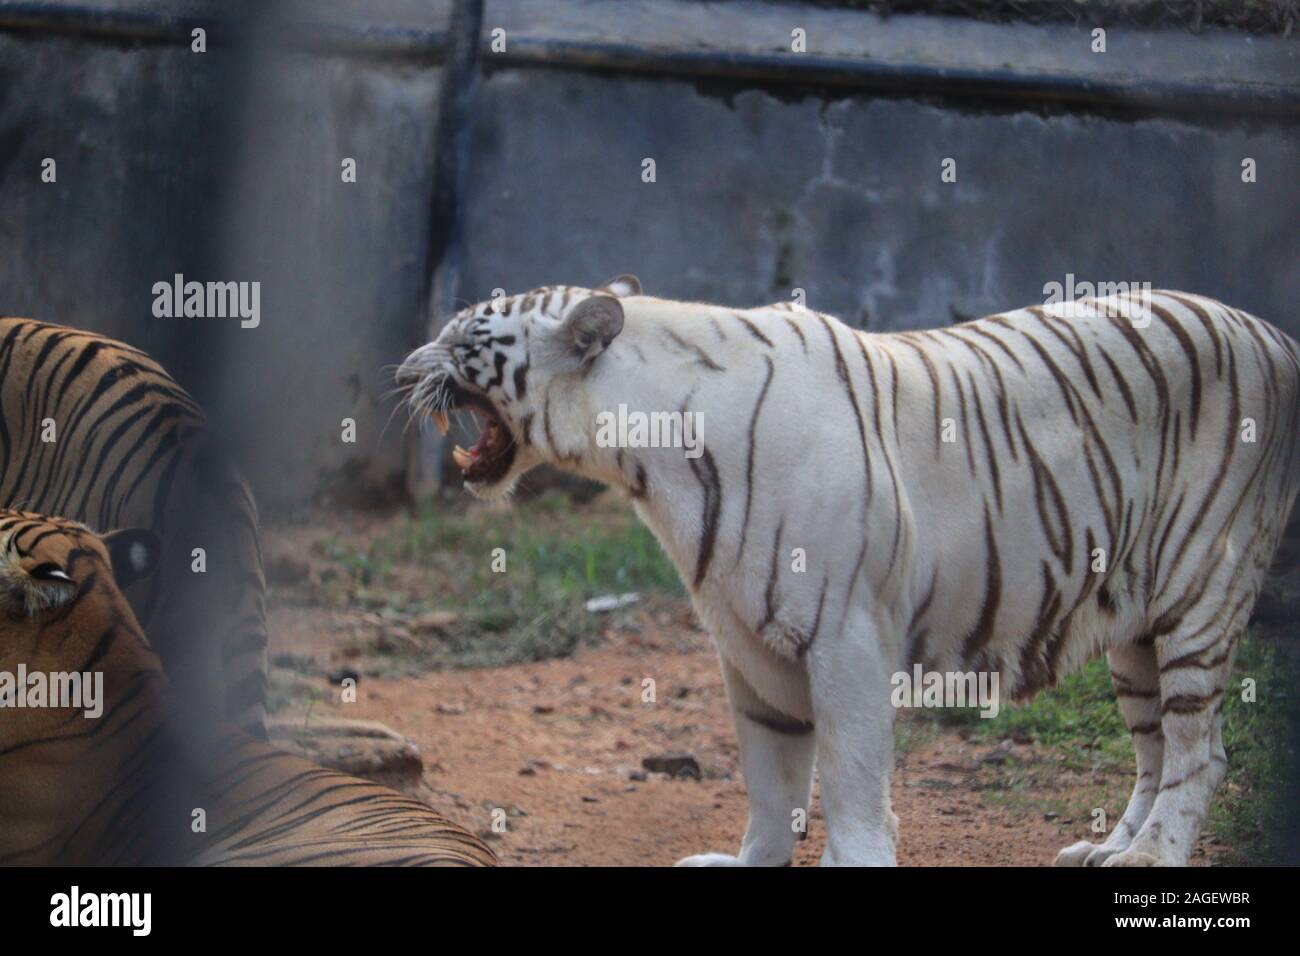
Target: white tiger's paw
{"type": "Point", "coordinates": [1084, 853]}
{"type": "Point", "coordinates": [1099, 856]}
{"type": "Point", "coordinates": [1134, 858]}
{"type": "Point", "coordinates": [1074, 854]}
{"type": "Point", "coordinates": [710, 859]}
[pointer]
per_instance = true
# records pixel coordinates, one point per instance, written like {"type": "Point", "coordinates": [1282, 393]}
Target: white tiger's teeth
{"type": "Point", "coordinates": [440, 421]}
{"type": "Point", "coordinates": [461, 457]}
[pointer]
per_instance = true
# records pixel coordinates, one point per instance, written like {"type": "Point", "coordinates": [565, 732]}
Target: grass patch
{"type": "Point", "coordinates": [1079, 718]}
{"type": "Point", "coordinates": [533, 609]}
{"type": "Point", "coordinates": [547, 553]}
{"type": "Point", "coordinates": [1250, 811]}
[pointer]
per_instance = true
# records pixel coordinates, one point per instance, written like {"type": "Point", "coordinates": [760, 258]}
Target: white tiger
{"type": "Point", "coordinates": [1159, 435]}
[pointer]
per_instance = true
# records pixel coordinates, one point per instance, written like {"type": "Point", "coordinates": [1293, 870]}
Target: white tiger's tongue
{"type": "Point", "coordinates": [465, 458]}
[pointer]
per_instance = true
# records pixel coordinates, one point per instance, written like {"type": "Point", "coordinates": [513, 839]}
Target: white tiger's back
{"type": "Point", "coordinates": [1107, 453]}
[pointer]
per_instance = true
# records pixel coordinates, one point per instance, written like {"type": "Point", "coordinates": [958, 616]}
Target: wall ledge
{"type": "Point", "coordinates": [749, 41]}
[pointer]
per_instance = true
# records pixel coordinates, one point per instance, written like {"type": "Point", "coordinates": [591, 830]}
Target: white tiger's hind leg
{"type": "Point", "coordinates": [776, 756]}
{"type": "Point", "coordinates": [1193, 673]}
{"type": "Point", "coordinates": [1136, 679]}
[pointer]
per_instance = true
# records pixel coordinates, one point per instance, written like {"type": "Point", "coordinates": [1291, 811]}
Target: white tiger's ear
{"type": "Point", "coordinates": [621, 286]}
{"type": "Point", "coordinates": [591, 325]}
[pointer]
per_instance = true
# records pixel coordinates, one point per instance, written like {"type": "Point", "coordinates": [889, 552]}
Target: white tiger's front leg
{"type": "Point", "coordinates": [776, 757]}
{"type": "Point", "coordinates": [849, 674]}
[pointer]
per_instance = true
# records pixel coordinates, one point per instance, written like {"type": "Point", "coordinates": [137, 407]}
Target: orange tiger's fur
{"type": "Point", "coordinates": [130, 785]}
{"type": "Point", "coordinates": [97, 431]}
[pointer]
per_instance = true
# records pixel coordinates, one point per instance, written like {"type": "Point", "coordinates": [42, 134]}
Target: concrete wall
{"type": "Point", "coordinates": [756, 194]}
{"type": "Point", "coordinates": [344, 269]}
{"type": "Point", "coordinates": [226, 165]}
{"type": "Point", "coordinates": [129, 129]}
{"type": "Point", "coordinates": [819, 171]}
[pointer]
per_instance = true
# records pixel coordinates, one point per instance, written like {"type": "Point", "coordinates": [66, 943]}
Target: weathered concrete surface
{"type": "Point", "coordinates": [160, 171]}
{"type": "Point", "coordinates": [343, 268]}
{"type": "Point", "coordinates": [220, 167]}
{"type": "Point", "coordinates": [123, 126]}
{"type": "Point", "coordinates": [854, 47]}
{"type": "Point", "coordinates": [756, 195]}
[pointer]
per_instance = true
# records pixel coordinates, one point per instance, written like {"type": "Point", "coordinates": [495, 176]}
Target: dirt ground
{"type": "Point", "coordinates": [558, 745]}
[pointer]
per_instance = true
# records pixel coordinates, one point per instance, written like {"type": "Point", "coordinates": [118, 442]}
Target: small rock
{"type": "Point", "coordinates": [637, 775]}
{"type": "Point", "coordinates": [1050, 815]}
{"type": "Point", "coordinates": [452, 709]}
{"type": "Point", "coordinates": [611, 602]}
{"type": "Point", "coordinates": [591, 800]}
{"type": "Point", "coordinates": [543, 709]}
{"type": "Point", "coordinates": [527, 771]}
{"type": "Point", "coordinates": [435, 622]}
{"type": "Point", "coordinates": [675, 765]}
{"type": "Point", "coordinates": [999, 754]}
{"type": "Point", "coordinates": [342, 674]}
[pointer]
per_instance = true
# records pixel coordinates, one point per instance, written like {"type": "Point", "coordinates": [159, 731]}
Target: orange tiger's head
{"type": "Point", "coordinates": [59, 581]}
{"type": "Point", "coordinates": [74, 666]}
{"type": "Point", "coordinates": [62, 612]}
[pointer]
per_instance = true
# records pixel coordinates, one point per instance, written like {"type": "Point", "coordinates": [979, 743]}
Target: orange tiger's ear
{"type": "Point", "coordinates": [621, 287]}
{"type": "Point", "coordinates": [134, 554]}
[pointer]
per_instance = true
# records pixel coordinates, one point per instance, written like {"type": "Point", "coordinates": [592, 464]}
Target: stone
{"type": "Point", "coordinates": [675, 765]}
{"type": "Point", "coordinates": [365, 748]}
{"type": "Point", "coordinates": [434, 622]}
{"type": "Point", "coordinates": [342, 674]}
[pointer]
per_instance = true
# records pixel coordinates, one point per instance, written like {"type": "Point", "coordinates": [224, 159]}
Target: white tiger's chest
{"type": "Point", "coordinates": [727, 611]}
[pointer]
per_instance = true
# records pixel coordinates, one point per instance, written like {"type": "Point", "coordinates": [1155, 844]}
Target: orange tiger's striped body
{"type": "Point", "coordinates": [127, 785]}
{"type": "Point", "coordinates": [97, 431]}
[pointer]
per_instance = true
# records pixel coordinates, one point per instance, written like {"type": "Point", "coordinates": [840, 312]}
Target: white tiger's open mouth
{"type": "Point", "coordinates": [490, 458]}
